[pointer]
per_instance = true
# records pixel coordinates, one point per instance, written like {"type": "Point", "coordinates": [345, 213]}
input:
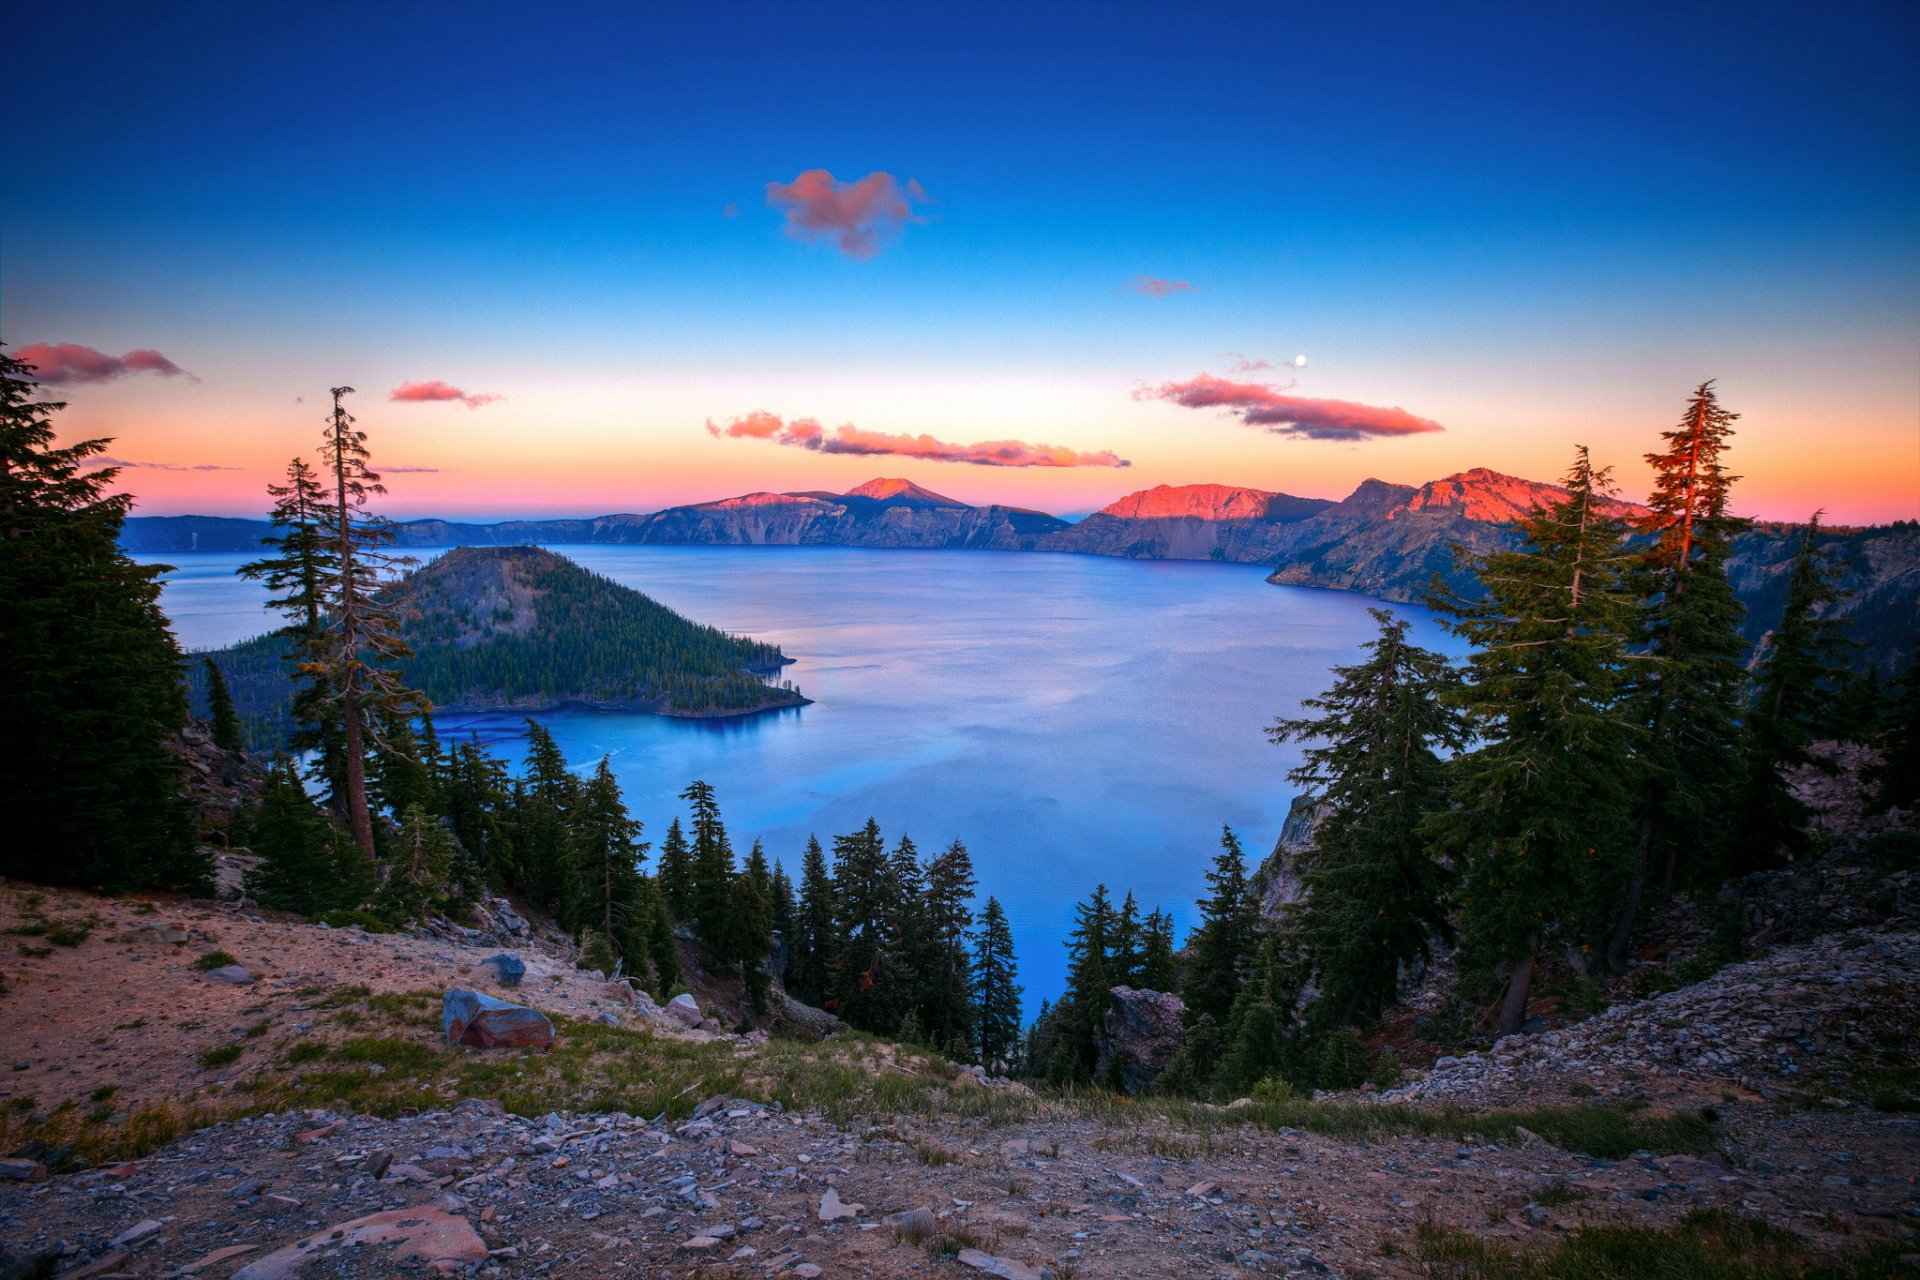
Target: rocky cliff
{"type": "Point", "coordinates": [1188, 522]}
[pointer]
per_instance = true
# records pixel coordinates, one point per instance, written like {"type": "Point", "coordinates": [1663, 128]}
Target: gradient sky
{"type": "Point", "coordinates": [1534, 224]}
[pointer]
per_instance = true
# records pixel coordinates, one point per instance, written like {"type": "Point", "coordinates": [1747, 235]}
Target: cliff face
{"type": "Point", "coordinates": [1189, 522]}
{"type": "Point", "coordinates": [880, 513]}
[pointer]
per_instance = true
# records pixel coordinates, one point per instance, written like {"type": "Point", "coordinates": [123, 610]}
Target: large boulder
{"type": "Point", "coordinates": [508, 968]}
{"type": "Point", "coordinates": [1141, 1030]}
{"type": "Point", "coordinates": [686, 1009]}
{"type": "Point", "coordinates": [426, 1234]}
{"type": "Point", "coordinates": [471, 1018]}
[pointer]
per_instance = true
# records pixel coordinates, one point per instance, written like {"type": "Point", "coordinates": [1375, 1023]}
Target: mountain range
{"type": "Point", "coordinates": [1390, 541]}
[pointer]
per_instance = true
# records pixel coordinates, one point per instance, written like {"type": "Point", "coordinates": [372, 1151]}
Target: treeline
{"type": "Point", "coordinates": [1602, 747]}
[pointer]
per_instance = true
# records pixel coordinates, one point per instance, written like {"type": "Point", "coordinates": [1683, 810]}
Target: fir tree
{"type": "Point", "coordinates": [661, 949]}
{"type": "Point", "coordinates": [225, 720]}
{"type": "Point", "coordinates": [1259, 1030]}
{"type": "Point", "coordinates": [1190, 1072]}
{"type": "Point", "coordinates": [1375, 892]}
{"type": "Point", "coordinates": [747, 934]}
{"type": "Point", "coordinates": [361, 642]}
{"type": "Point", "coordinates": [418, 876]}
{"type": "Point", "coordinates": [306, 864]}
{"type": "Point", "coordinates": [711, 862]}
{"type": "Point", "coordinates": [1127, 941]}
{"type": "Point", "coordinates": [608, 851]}
{"type": "Point", "coordinates": [814, 949]}
{"type": "Point", "coordinates": [1545, 804]}
{"type": "Point", "coordinates": [1224, 944]}
{"type": "Point", "coordinates": [1896, 779]}
{"type": "Point", "coordinates": [946, 1000]}
{"type": "Point", "coordinates": [545, 797]}
{"type": "Point", "coordinates": [1690, 676]}
{"type": "Point", "coordinates": [479, 803]}
{"type": "Point", "coordinates": [865, 987]}
{"type": "Point", "coordinates": [996, 990]}
{"type": "Point", "coordinates": [90, 691]}
{"type": "Point", "coordinates": [675, 873]}
{"type": "Point", "coordinates": [906, 908]}
{"type": "Point", "coordinates": [785, 912]}
{"type": "Point", "coordinates": [1799, 669]}
{"type": "Point", "coordinates": [299, 567]}
{"type": "Point", "coordinates": [1159, 971]}
{"type": "Point", "coordinates": [1089, 990]}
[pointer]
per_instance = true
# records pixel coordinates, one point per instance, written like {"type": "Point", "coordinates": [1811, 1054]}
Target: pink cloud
{"type": "Point", "coordinates": [58, 362]}
{"type": "Point", "coordinates": [1260, 405]}
{"type": "Point", "coordinates": [857, 216]}
{"type": "Point", "coordinates": [807, 433]}
{"type": "Point", "coordinates": [1154, 287]}
{"type": "Point", "coordinates": [730, 210]}
{"type": "Point", "coordinates": [104, 460]}
{"type": "Point", "coordinates": [428, 392]}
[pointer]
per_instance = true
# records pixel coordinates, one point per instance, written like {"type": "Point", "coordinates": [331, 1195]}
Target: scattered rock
{"type": "Point", "coordinates": [23, 1170]}
{"type": "Point", "coordinates": [434, 1236]}
{"type": "Point", "coordinates": [508, 968]}
{"type": "Point", "coordinates": [832, 1210]}
{"type": "Point", "coordinates": [471, 1018]}
{"type": "Point", "coordinates": [686, 1009]}
{"type": "Point", "coordinates": [136, 1233]}
{"type": "Point", "coordinates": [1004, 1268]}
{"type": "Point", "coordinates": [237, 974]}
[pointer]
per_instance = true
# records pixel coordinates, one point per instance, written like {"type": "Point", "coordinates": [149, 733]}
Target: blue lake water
{"type": "Point", "coordinates": [1074, 719]}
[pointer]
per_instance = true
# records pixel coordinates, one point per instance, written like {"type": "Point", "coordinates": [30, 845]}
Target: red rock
{"type": "Point", "coordinates": [434, 1236]}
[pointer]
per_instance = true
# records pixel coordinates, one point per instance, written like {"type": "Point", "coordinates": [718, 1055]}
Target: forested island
{"type": "Point", "coordinates": [525, 629]}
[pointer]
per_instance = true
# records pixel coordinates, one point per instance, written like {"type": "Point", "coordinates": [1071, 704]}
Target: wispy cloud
{"type": "Point", "coordinates": [1246, 364]}
{"type": "Point", "coordinates": [58, 362]}
{"type": "Point", "coordinates": [857, 216]}
{"type": "Point", "coordinates": [1155, 287]}
{"type": "Point", "coordinates": [806, 433]}
{"type": "Point", "coordinates": [436, 390]}
{"type": "Point", "coordinates": [106, 460]}
{"type": "Point", "coordinates": [389, 470]}
{"type": "Point", "coordinates": [730, 209]}
{"type": "Point", "coordinates": [1272, 408]}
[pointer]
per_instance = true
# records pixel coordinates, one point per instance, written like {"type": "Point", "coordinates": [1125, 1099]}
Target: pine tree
{"type": "Point", "coordinates": [661, 949]}
{"type": "Point", "coordinates": [546, 796]}
{"type": "Point", "coordinates": [607, 854]}
{"type": "Point", "coordinates": [1690, 676]}
{"type": "Point", "coordinates": [1127, 941]}
{"type": "Point", "coordinates": [865, 987]}
{"type": "Point", "coordinates": [1258, 1031]}
{"type": "Point", "coordinates": [1375, 891]}
{"type": "Point", "coordinates": [1896, 779]}
{"type": "Point", "coordinates": [1224, 944]}
{"type": "Point", "coordinates": [361, 642]}
{"type": "Point", "coordinates": [1159, 971]}
{"type": "Point", "coordinates": [1089, 990]}
{"type": "Point", "coordinates": [747, 933]}
{"type": "Point", "coordinates": [675, 873]}
{"type": "Point", "coordinates": [298, 570]}
{"type": "Point", "coordinates": [479, 804]}
{"type": "Point", "coordinates": [90, 691]}
{"type": "Point", "coordinates": [1546, 802]}
{"type": "Point", "coordinates": [711, 862]}
{"type": "Point", "coordinates": [225, 720]}
{"type": "Point", "coordinates": [306, 863]}
{"type": "Point", "coordinates": [996, 990]}
{"type": "Point", "coordinates": [946, 1000]}
{"type": "Point", "coordinates": [1798, 672]}
{"type": "Point", "coordinates": [814, 949]}
{"type": "Point", "coordinates": [1190, 1073]}
{"type": "Point", "coordinates": [906, 908]}
{"type": "Point", "coordinates": [785, 912]}
{"type": "Point", "coordinates": [418, 876]}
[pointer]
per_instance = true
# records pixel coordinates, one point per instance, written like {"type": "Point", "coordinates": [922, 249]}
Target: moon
{"type": "Point", "coordinates": [1299, 362]}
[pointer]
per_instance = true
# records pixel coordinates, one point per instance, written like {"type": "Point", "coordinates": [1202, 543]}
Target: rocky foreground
{"type": "Point", "coordinates": [327, 1128]}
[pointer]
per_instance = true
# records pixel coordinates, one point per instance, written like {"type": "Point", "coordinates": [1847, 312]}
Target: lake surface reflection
{"type": "Point", "coordinates": [1073, 719]}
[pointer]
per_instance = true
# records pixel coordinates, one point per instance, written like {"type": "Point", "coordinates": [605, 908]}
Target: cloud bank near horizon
{"type": "Point", "coordinates": [858, 217]}
{"type": "Point", "coordinates": [65, 362]}
{"type": "Point", "coordinates": [435, 390]}
{"type": "Point", "coordinates": [1273, 409]}
{"type": "Point", "coordinates": [107, 460]}
{"type": "Point", "coordinates": [807, 433]}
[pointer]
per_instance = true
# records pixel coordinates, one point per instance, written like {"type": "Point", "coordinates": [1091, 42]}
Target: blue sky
{"type": "Point", "coordinates": [1537, 224]}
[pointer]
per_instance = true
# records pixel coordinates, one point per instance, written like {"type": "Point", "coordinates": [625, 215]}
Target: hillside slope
{"type": "Point", "coordinates": [523, 628]}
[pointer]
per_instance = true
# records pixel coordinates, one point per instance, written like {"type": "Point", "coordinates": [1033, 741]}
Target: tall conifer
{"type": "Point", "coordinates": [1223, 945]}
{"type": "Point", "coordinates": [996, 990]}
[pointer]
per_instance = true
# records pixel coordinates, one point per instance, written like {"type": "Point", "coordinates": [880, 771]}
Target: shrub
{"type": "Point", "coordinates": [215, 960]}
{"type": "Point", "coordinates": [1343, 1060]}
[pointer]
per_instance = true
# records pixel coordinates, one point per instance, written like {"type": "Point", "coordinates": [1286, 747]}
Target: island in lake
{"type": "Point", "coordinates": [524, 629]}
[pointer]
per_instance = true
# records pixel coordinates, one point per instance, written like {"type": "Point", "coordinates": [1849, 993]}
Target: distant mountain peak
{"type": "Point", "coordinates": [888, 489]}
{"type": "Point", "coordinates": [1481, 493]}
{"type": "Point", "coordinates": [1210, 502]}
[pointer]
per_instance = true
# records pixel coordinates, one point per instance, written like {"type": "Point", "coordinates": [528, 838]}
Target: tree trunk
{"type": "Point", "coordinates": [358, 818]}
{"type": "Point", "coordinates": [1513, 1009]}
{"type": "Point", "coordinates": [1636, 887]}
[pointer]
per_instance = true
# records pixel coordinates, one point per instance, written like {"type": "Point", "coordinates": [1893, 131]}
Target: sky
{"type": "Point", "coordinates": [582, 258]}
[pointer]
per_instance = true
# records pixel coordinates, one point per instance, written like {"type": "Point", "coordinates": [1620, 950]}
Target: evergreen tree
{"type": "Point", "coordinates": [306, 864]}
{"type": "Point", "coordinates": [946, 1003]}
{"type": "Point", "coordinates": [913, 941]}
{"type": "Point", "coordinates": [418, 877]}
{"type": "Point", "coordinates": [996, 990]}
{"type": "Point", "coordinates": [361, 642]}
{"type": "Point", "coordinates": [1896, 779]}
{"type": "Point", "coordinates": [1375, 892]}
{"type": "Point", "coordinates": [1127, 941]}
{"type": "Point", "coordinates": [661, 949]}
{"type": "Point", "coordinates": [1800, 667]}
{"type": "Point", "coordinates": [298, 570]}
{"type": "Point", "coordinates": [225, 720]}
{"type": "Point", "coordinates": [1190, 1072]}
{"type": "Point", "coordinates": [1159, 971]}
{"type": "Point", "coordinates": [711, 862]}
{"type": "Point", "coordinates": [609, 888]}
{"type": "Point", "coordinates": [1258, 1031]}
{"type": "Point", "coordinates": [1224, 944]}
{"type": "Point", "coordinates": [1089, 990]}
{"type": "Point", "coordinates": [865, 989]}
{"type": "Point", "coordinates": [406, 769]}
{"type": "Point", "coordinates": [785, 912]}
{"type": "Point", "coordinates": [479, 803]}
{"type": "Point", "coordinates": [1545, 804]}
{"type": "Point", "coordinates": [676, 873]}
{"type": "Point", "coordinates": [90, 692]}
{"type": "Point", "coordinates": [1687, 693]}
{"type": "Point", "coordinates": [747, 933]}
{"type": "Point", "coordinates": [545, 798]}
{"type": "Point", "coordinates": [814, 950]}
